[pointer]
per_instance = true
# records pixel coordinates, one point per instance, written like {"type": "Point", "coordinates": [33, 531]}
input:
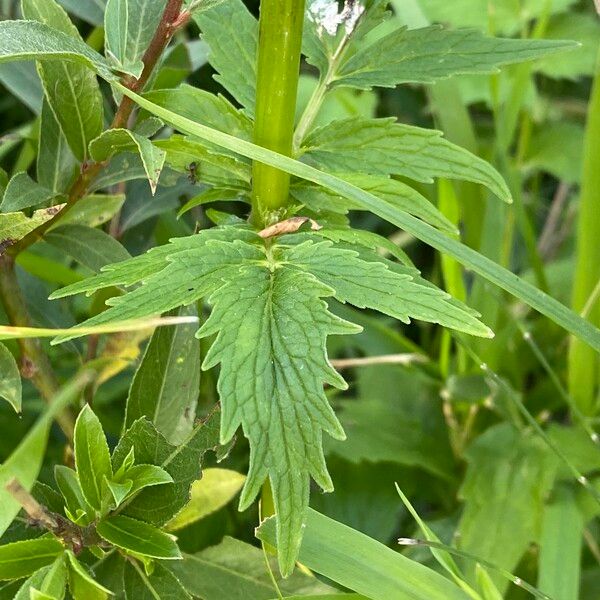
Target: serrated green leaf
{"type": "Point", "coordinates": [385, 147]}
{"type": "Point", "coordinates": [23, 192]}
{"type": "Point", "coordinates": [72, 90]}
{"type": "Point", "coordinates": [129, 27]}
{"type": "Point", "coordinates": [92, 458]}
{"type": "Point", "coordinates": [395, 192]}
{"type": "Point", "coordinates": [10, 379]}
{"type": "Point", "coordinates": [21, 559]}
{"type": "Point", "coordinates": [362, 564]}
{"type": "Point", "coordinates": [56, 164]}
{"type": "Point", "coordinates": [199, 105]}
{"type": "Point", "coordinates": [367, 284]}
{"type": "Point", "coordinates": [432, 53]}
{"type": "Point", "coordinates": [475, 261]}
{"type": "Point", "coordinates": [31, 583]}
{"type": "Point", "coordinates": [138, 537]}
{"type": "Point", "coordinates": [157, 505]}
{"type": "Point", "coordinates": [93, 248]}
{"type": "Point", "coordinates": [114, 141]}
{"type": "Point", "coordinates": [216, 488]}
{"type": "Point", "coordinates": [232, 35]}
{"type": "Point", "coordinates": [166, 385]}
{"type": "Point", "coordinates": [81, 584]}
{"type": "Point", "coordinates": [161, 583]}
{"type": "Point", "coordinates": [143, 476]}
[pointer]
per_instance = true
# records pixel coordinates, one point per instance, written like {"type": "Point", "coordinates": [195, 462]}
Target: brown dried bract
{"type": "Point", "coordinates": [288, 226]}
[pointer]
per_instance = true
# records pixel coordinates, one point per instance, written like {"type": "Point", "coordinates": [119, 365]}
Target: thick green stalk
{"type": "Point", "coordinates": [584, 363]}
{"type": "Point", "coordinates": [280, 41]}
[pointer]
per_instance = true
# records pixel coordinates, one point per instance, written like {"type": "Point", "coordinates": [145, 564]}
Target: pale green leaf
{"type": "Point", "coordinates": [113, 141]}
{"type": "Point", "coordinates": [473, 260]}
{"type": "Point", "coordinates": [21, 559]}
{"type": "Point", "coordinates": [432, 53]}
{"type": "Point", "coordinates": [93, 248]}
{"type": "Point", "coordinates": [216, 489]}
{"type": "Point", "coordinates": [235, 569]}
{"type": "Point", "coordinates": [10, 379]}
{"type": "Point", "coordinates": [232, 35]}
{"type": "Point", "coordinates": [129, 27]}
{"type": "Point", "coordinates": [486, 585]}
{"type": "Point", "coordinates": [138, 537]}
{"type": "Point", "coordinates": [23, 192]}
{"type": "Point", "coordinates": [160, 583]}
{"type": "Point", "coordinates": [32, 40]}
{"type": "Point", "coordinates": [71, 89]}
{"type": "Point", "coordinates": [144, 476]}
{"type": "Point", "coordinates": [55, 580]}
{"type": "Point", "coordinates": [26, 460]}
{"type": "Point", "coordinates": [81, 584]}
{"type": "Point", "coordinates": [385, 147]}
{"type": "Point", "coordinates": [362, 564]}
{"type": "Point", "coordinates": [31, 583]}
{"type": "Point", "coordinates": [158, 504]}
{"type": "Point", "coordinates": [91, 11]}
{"type": "Point", "coordinates": [92, 458]}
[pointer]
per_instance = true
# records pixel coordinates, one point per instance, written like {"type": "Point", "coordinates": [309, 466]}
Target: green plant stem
{"type": "Point", "coordinates": [280, 41]}
{"type": "Point", "coordinates": [35, 363]}
{"type": "Point", "coordinates": [584, 364]}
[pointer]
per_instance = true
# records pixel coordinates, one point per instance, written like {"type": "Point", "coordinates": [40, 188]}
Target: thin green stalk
{"type": "Point", "coordinates": [280, 42]}
{"type": "Point", "coordinates": [584, 364]}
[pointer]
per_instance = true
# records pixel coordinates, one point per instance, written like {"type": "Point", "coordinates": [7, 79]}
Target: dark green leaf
{"type": "Point", "coordinates": [70, 488]}
{"type": "Point", "coordinates": [159, 504]}
{"type": "Point", "coordinates": [90, 247]}
{"type": "Point", "coordinates": [22, 192]}
{"type": "Point", "coordinates": [138, 537]}
{"type": "Point", "coordinates": [21, 559]}
{"type": "Point", "coordinates": [92, 458]}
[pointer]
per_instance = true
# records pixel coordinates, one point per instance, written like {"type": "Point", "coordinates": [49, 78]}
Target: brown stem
{"type": "Point", "coordinates": [36, 512]}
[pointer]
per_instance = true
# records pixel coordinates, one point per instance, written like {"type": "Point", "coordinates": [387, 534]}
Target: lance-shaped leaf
{"type": "Point", "coordinates": [113, 141]}
{"type": "Point", "coordinates": [429, 54]}
{"type": "Point", "coordinates": [56, 164]}
{"type": "Point", "coordinates": [129, 27]}
{"type": "Point", "coordinates": [16, 225]}
{"type": "Point", "coordinates": [21, 559]}
{"type": "Point", "coordinates": [30, 40]}
{"type": "Point", "coordinates": [23, 192]}
{"type": "Point", "coordinates": [81, 584]}
{"type": "Point", "coordinates": [384, 147]}
{"type": "Point", "coordinates": [71, 89]}
{"type": "Point", "coordinates": [138, 537]}
{"type": "Point", "coordinates": [92, 457]}
{"type": "Point", "coordinates": [232, 35]}
{"type": "Point", "coordinates": [10, 379]}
